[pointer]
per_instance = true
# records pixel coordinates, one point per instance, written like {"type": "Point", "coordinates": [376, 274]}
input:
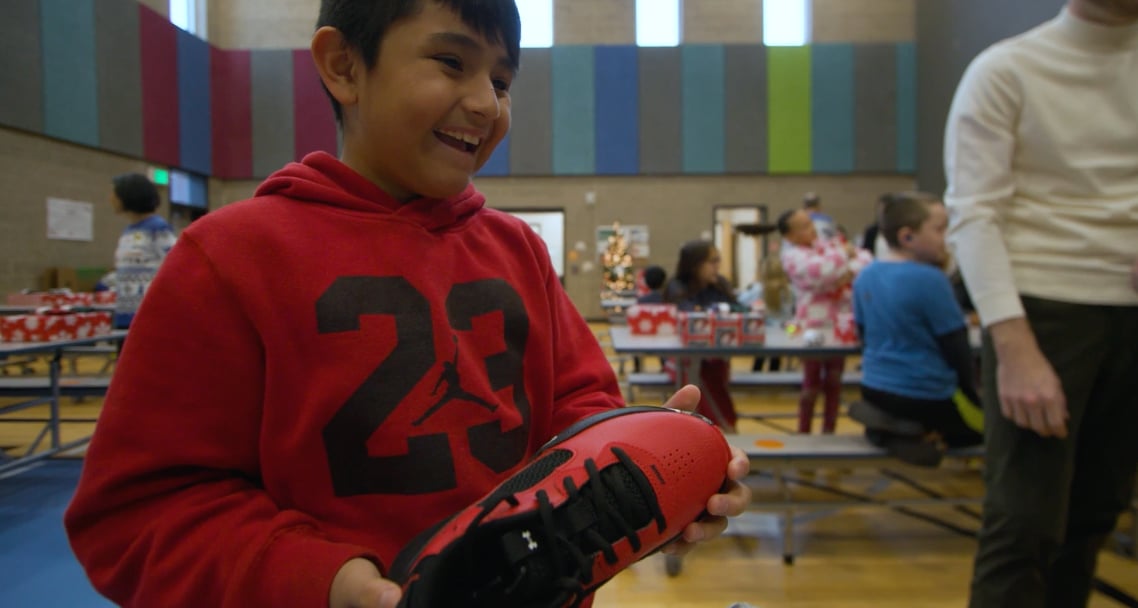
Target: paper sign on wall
{"type": "Point", "coordinates": [70, 220]}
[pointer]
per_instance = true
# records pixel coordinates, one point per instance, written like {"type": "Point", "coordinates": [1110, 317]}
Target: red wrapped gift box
{"type": "Point", "coordinates": [728, 329]}
{"type": "Point", "coordinates": [47, 327]}
{"type": "Point", "coordinates": [651, 319]}
{"type": "Point", "coordinates": [58, 300]}
{"type": "Point", "coordinates": [695, 329]}
{"type": "Point", "coordinates": [754, 328]}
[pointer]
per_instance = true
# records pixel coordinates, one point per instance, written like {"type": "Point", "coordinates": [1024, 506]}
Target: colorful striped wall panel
{"type": "Point", "coordinates": [77, 72]}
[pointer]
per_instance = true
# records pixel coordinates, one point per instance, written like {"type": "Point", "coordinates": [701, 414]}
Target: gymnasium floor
{"type": "Point", "coordinates": [854, 558]}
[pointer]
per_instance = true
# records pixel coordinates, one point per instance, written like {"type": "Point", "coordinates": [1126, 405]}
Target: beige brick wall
{"type": "Point", "coordinates": [676, 209]}
{"type": "Point", "coordinates": [262, 24]}
{"type": "Point", "coordinates": [724, 21]}
{"type": "Point", "coordinates": [864, 20]}
{"type": "Point", "coordinates": [162, 7]}
{"type": "Point", "coordinates": [594, 22]}
{"type": "Point", "coordinates": [33, 168]}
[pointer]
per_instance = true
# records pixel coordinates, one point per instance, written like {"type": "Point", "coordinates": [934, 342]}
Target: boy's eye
{"type": "Point", "coordinates": [450, 61]}
{"type": "Point", "coordinates": [501, 85]}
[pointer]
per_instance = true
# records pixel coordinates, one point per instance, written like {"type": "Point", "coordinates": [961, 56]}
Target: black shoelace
{"type": "Point", "coordinates": [595, 516]}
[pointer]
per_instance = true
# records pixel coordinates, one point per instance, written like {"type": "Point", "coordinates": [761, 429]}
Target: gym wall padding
{"type": "Point", "coordinates": [661, 98]}
{"type": "Point", "coordinates": [702, 108]}
{"type": "Point", "coordinates": [314, 122]}
{"type": "Point", "coordinates": [195, 149]}
{"type": "Point", "coordinates": [231, 109]}
{"type": "Point", "coordinates": [21, 67]}
{"type": "Point", "coordinates": [114, 74]}
{"type": "Point", "coordinates": [788, 117]}
{"type": "Point", "coordinates": [831, 109]}
{"type": "Point", "coordinates": [531, 100]}
{"type": "Point", "coordinates": [745, 108]}
{"type": "Point", "coordinates": [574, 110]}
{"type": "Point", "coordinates": [273, 109]}
{"type": "Point", "coordinates": [70, 91]}
{"type": "Point", "coordinates": [875, 108]}
{"type": "Point", "coordinates": [118, 65]}
{"type": "Point", "coordinates": [160, 128]}
{"type": "Point", "coordinates": [617, 97]}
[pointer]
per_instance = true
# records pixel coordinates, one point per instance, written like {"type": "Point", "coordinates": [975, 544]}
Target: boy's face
{"type": "Point", "coordinates": [927, 242]}
{"type": "Point", "coordinates": [802, 230]}
{"type": "Point", "coordinates": [430, 112]}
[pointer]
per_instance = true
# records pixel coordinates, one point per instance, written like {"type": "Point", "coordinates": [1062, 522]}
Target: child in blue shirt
{"type": "Point", "coordinates": [916, 359]}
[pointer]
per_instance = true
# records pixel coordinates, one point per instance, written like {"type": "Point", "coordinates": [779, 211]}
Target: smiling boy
{"type": "Point", "coordinates": [357, 352]}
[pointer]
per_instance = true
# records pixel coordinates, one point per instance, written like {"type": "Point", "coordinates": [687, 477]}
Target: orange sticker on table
{"type": "Point", "coordinates": [769, 443]}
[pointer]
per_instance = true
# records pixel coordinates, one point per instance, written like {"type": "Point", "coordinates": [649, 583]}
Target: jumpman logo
{"type": "Point", "coordinates": [454, 389]}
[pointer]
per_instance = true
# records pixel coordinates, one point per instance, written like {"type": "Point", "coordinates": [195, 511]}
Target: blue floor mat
{"type": "Point", "coordinates": [37, 567]}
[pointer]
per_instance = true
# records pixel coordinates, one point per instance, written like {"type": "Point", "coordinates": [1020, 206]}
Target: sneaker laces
{"type": "Point", "coordinates": [612, 505]}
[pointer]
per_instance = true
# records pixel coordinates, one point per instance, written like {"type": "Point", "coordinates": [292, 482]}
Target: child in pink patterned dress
{"type": "Point", "coordinates": [821, 273]}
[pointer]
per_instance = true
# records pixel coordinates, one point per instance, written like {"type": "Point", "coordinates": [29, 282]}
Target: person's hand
{"type": "Point", "coordinates": [732, 499]}
{"type": "Point", "coordinates": [358, 584]}
{"type": "Point", "coordinates": [1030, 392]}
{"type": "Point", "coordinates": [1134, 276]}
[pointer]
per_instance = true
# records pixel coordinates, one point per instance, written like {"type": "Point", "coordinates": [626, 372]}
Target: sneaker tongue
{"type": "Point", "coordinates": [633, 505]}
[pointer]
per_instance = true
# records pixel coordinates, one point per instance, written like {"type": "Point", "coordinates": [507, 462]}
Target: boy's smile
{"type": "Point", "coordinates": [430, 112]}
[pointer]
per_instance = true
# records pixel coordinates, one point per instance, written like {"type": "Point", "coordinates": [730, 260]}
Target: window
{"type": "Point", "coordinates": [190, 15]}
{"type": "Point", "coordinates": [537, 23]}
{"type": "Point", "coordinates": [657, 22]}
{"type": "Point", "coordinates": [786, 22]}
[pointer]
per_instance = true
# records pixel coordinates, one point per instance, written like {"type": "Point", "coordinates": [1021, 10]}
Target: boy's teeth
{"type": "Point", "coordinates": [470, 139]}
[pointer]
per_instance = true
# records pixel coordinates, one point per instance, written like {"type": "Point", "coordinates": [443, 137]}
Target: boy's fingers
{"type": "Point", "coordinates": [687, 398]}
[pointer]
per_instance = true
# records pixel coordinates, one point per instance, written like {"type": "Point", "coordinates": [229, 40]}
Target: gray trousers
{"type": "Point", "coordinates": [1050, 504]}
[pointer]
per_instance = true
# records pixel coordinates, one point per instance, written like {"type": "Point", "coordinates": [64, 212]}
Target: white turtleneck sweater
{"type": "Point", "coordinates": [1041, 156]}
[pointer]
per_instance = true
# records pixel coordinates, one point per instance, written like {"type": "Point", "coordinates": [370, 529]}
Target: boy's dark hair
{"type": "Point", "coordinates": [784, 221]}
{"type": "Point", "coordinates": [654, 277]}
{"type": "Point", "coordinates": [811, 201]}
{"type": "Point", "coordinates": [363, 24]}
{"type": "Point", "coordinates": [136, 192]}
{"type": "Point", "coordinates": [903, 210]}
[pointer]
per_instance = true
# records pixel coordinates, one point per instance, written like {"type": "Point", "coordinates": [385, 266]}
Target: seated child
{"type": "Point", "coordinates": [654, 277]}
{"type": "Point", "coordinates": [917, 363]}
{"type": "Point", "coordinates": [820, 272]}
{"type": "Point", "coordinates": [697, 286]}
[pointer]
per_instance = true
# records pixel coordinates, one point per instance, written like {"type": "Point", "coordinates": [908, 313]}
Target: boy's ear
{"type": "Point", "coordinates": [336, 64]}
{"type": "Point", "coordinates": [904, 235]}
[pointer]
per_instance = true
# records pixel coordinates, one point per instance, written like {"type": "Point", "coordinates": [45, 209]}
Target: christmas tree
{"type": "Point", "coordinates": [617, 263]}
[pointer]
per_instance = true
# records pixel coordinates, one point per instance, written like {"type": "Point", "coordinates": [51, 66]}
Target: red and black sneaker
{"type": "Point", "coordinates": [609, 490]}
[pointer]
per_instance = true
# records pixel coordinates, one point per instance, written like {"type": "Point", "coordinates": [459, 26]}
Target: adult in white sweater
{"type": "Point", "coordinates": [1041, 155]}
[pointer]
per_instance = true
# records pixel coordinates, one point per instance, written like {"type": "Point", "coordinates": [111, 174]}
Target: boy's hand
{"type": "Point", "coordinates": [359, 585]}
{"type": "Point", "coordinates": [733, 499]}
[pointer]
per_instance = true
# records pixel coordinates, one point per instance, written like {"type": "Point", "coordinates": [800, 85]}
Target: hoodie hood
{"type": "Point", "coordinates": [322, 179]}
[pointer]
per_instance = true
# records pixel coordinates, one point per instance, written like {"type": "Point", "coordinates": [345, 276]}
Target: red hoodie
{"type": "Point", "coordinates": [316, 374]}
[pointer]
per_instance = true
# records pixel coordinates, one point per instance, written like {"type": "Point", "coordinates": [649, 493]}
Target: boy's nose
{"type": "Point", "coordinates": [483, 101]}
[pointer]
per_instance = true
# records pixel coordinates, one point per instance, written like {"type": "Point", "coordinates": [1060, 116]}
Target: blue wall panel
{"type": "Point", "coordinates": [574, 111]}
{"type": "Point", "coordinates": [617, 110]}
{"type": "Point", "coordinates": [702, 69]}
{"type": "Point", "coordinates": [499, 162]}
{"type": "Point", "coordinates": [832, 103]}
{"type": "Point", "coordinates": [195, 145]}
{"type": "Point", "coordinates": [70, 91]}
